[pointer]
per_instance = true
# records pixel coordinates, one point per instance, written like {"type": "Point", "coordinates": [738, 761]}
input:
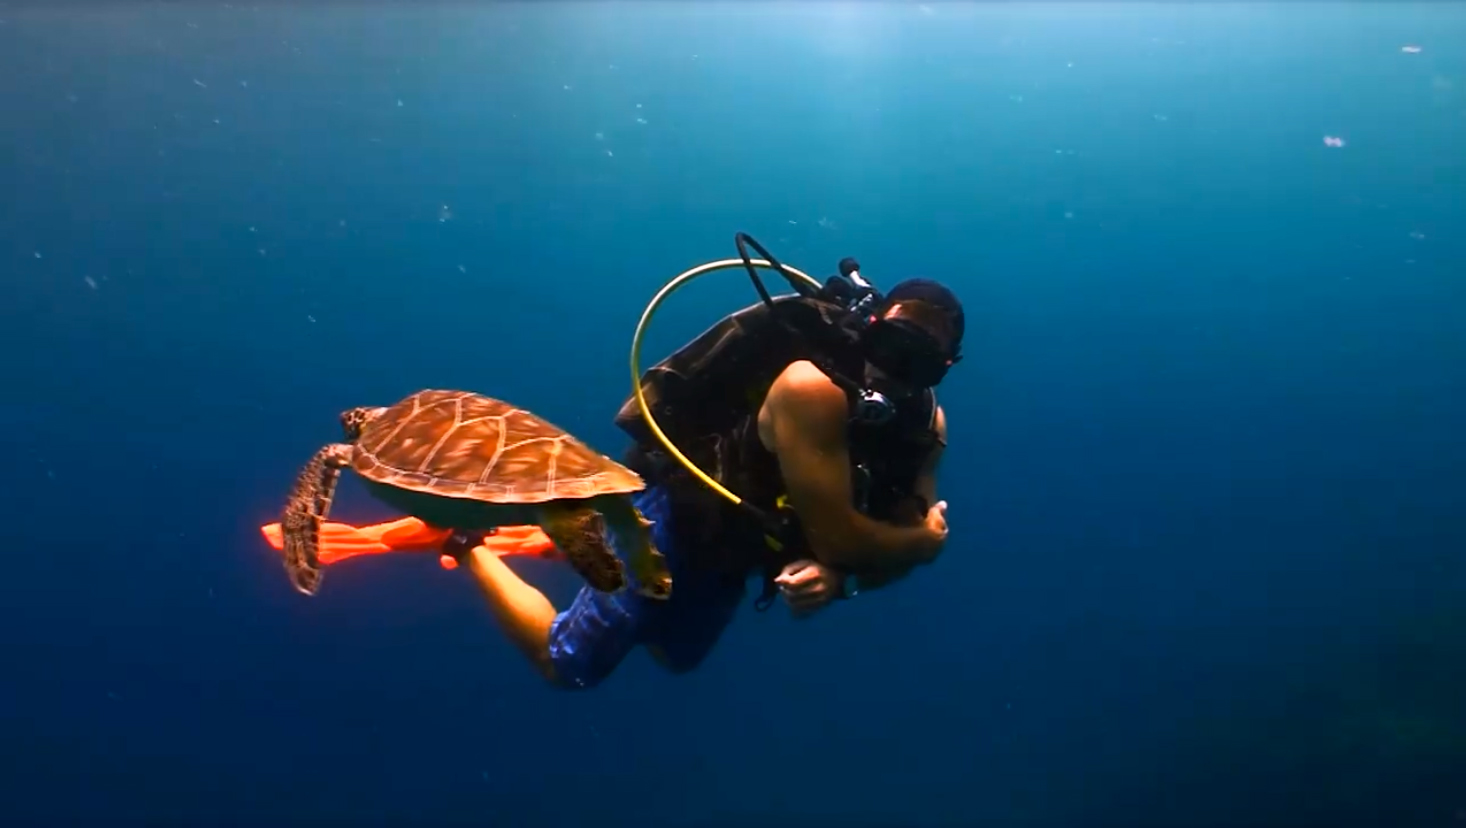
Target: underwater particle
{"type": "Point", "coordinates": [1068, 214]}
{"type": "Point", "coordinates": [262, 251]}
{"type": "Point", "coordinates": [200, 84]}
{"type": "Point", "coordinates": [462, 269]}
{"type": "Point", "coordinates": [244, 84]}
{"type": "Point", "coordinates": [38, 254]}
{"type": "Point", "coordinates": [399, 102]}
{"type": "Point", "coordinates": [1016, 98]}
{"type": "Point", "coordinates": [445, 213]}
{"type": "Point", "coordinates": [91, 283]}
{"type": "Point", "coordinates": [311, 318]}
{"type": "Point", "coordinates": [610, 154]}
{"type": "Point", "coordinates": [1159, 117]}
{"type": "Point", "coordinates": [1417, 235]}
{"type": "Point", "coordinates": [1410, 49]}
{"type": "Point", "coordinates": [1333, 141]}
{"type": "Point", "coordinates": [566, 87]}
{"type": "Point", "coordinates": [641, 121]}
{"type": "Point", "coordinates": [252, 229]}
{"type": "Point", "coordinates": [600, 136]}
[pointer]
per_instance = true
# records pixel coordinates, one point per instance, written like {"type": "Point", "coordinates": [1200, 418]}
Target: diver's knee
{"type": "Point", "coordinates": [571, 680]}
{"type": "Point", "coordinates": [588, 641]}
{"type": "Point", "coordinates": [575, 665]}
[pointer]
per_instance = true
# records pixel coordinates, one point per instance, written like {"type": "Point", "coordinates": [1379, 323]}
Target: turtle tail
{"type": "Point", "coordinates": [309, 503]}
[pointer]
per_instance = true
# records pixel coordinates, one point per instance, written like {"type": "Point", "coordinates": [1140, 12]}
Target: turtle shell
{"type": "Point", "coordinates": [462, 445]}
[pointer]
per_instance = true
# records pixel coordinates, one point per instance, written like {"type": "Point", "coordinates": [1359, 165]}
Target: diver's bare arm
{"type": "Point", "coordinates": [926, 490]}
{"type": "Point", "coordinates": [808, 417]}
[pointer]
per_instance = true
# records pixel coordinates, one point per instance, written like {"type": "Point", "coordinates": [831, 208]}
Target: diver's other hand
{"type": "Point", "coordinates": [808, 586]}
{"type": "Point", "coordinates": [935, 530]}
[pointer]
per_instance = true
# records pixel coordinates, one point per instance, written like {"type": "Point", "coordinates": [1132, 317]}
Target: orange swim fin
{"type": "Point", "coordinates": [340, 541]}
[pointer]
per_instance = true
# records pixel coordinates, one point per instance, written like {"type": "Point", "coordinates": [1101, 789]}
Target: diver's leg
{"type": "Point", "coordinates": [575, 649]}
{"type": "Point", "coordinates": [591, 638]}
{"type": "Point", "coordinates": [681, 631]}
{"type": "Point", "coordinates": [580, 647]}
{"type": "Point", "coordinates": [522, 611]}
{"type": "Point", "coordinates": [700, 609]}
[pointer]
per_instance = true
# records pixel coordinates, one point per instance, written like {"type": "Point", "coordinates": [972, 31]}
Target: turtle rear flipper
{"type": "Point", "coordinates": [309, 503]}
{"type": "Point", "coordinates": [633, 531]}
{"type": "Point", "coordinates": [580, 533]}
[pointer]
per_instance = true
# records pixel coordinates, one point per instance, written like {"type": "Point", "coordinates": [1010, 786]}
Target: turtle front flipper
{"type": "Point", "coordinates": [309, 503]}
{"type": "Point", "coordinates": [633, 530]}
{"type": "Point", "coordinates": [580, 532]}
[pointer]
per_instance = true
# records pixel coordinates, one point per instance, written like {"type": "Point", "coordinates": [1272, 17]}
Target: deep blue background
{"type": "Point", "coordinates": [1206, 454]}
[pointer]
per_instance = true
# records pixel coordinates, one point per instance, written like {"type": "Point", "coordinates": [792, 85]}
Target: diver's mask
{"type": "Point", "coordinates": [912, 344]}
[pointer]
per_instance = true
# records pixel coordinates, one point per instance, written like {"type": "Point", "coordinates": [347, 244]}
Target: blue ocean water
{"type": "Point", "coordinates": [1206, 459]}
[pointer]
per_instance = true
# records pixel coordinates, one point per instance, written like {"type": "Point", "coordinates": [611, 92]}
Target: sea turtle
{"type": "Point", "coordinates": [464, 461]}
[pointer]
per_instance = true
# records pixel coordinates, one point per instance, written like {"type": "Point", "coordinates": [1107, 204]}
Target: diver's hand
{"type": "Point", "coordinates": [935, 527]}
{"type": "Point", "coordinates": [808, 586]}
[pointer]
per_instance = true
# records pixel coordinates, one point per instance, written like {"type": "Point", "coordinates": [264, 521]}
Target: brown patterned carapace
{"type": "Point", "coordinates": [458, 444]}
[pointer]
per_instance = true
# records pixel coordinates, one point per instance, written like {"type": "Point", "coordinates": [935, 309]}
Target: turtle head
{"type": "Point", "coordinates": [355, 419]}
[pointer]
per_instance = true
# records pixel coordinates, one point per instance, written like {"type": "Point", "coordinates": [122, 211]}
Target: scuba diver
{"type": "Point", "coordinates": [798, 439]}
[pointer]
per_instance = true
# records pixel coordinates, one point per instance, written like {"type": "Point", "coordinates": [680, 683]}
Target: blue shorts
{"type": "Point", "coordinates": [588, 640]}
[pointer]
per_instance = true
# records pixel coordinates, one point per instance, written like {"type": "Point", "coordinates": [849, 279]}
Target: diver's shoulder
{"type": "Point", "coordinates": [802, 383]}
{"type": "Point", "coordinates": [804, 377]}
